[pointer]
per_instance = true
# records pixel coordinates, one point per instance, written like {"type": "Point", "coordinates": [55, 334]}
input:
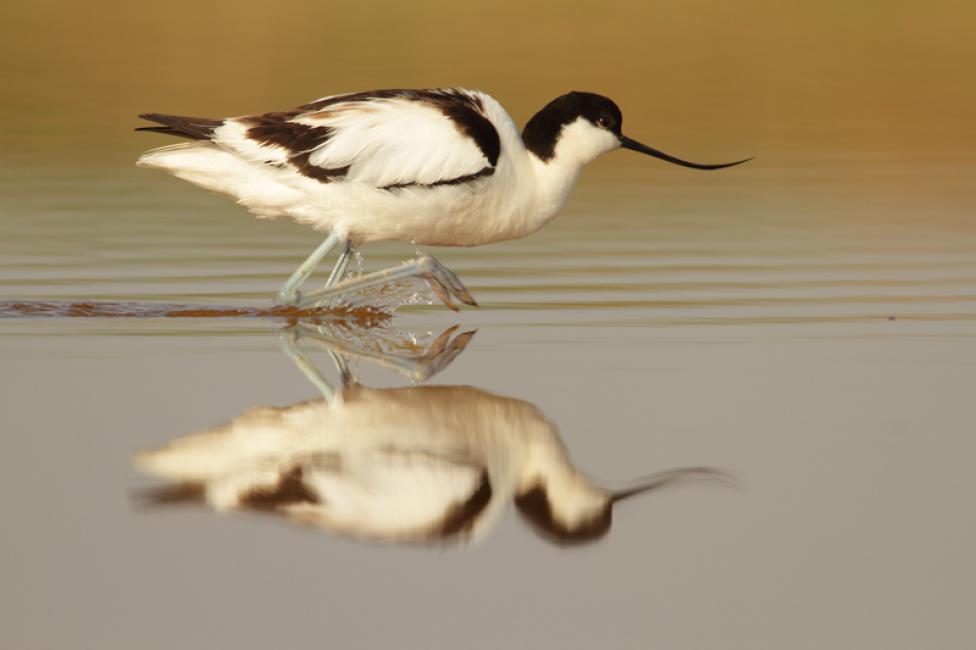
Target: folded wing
{"type": "Point", "coordinates": [386, 139]}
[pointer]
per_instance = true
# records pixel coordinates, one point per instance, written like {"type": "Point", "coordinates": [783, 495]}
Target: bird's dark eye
{"type": "Point", "coordinates": [603, 121]}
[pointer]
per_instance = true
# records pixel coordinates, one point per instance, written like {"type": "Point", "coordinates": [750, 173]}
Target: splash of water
{"type": "Point", "coordinates": [385, 298]}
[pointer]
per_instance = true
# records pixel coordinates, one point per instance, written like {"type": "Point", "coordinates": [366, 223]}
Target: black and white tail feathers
{"type": "Point", "coordinates": [194, 128]}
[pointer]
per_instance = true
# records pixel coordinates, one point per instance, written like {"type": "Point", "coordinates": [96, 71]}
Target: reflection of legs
{"type": "Point", "coordinates": [418, 368]}
{"type": "Point", "coordinates": [343, 366]}
{"type": "Point", "coordinates": [289, 343]}
{"type": "Point", "coordinates": [442, 281]}
{"type": "Point", "coordinates": [288, 294]}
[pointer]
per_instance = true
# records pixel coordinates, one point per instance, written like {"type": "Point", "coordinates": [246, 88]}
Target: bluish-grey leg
{"type": "Point", "coordinates": [288, 295]}
{"type": "Point", "coordinates": [289, 343]}
{"type": "Point", "coordinates": [339, 270]}
{"type": "Point", "coordinates": [441, 279]}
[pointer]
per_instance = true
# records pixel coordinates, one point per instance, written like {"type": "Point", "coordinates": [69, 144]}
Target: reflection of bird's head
{"type": "Point", "coordinates": [576, 514]}
{"type": "Point", "coordinates": [571, 510]}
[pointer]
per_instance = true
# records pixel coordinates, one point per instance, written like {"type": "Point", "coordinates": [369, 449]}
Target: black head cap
{"type": "Point", "coordinates": [542, 131]}
{"type": "Point", "coordinates": [534, 506]}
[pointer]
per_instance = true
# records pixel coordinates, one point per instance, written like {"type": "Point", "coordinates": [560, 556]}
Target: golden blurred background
{"type": "Point", "coordinates": [719, 78]}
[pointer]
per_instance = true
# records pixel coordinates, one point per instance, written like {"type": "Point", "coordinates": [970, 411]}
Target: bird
{"type": "Point", "coordinates": [430, 167]}
{"type": "Point", "coordinates": [431, 465]}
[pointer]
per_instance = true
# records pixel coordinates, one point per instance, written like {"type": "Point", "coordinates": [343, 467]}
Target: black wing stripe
{"type": "Point", "coordinates": [278, 130]}
{"type": "Point", "coordinates": [467, 178]}
{"type": "Point", "coordinates": [461, 517]}
{"type": "Point", "coordinates": [298, 139]}
{"type": "Point", "coordinates": [289, 490]}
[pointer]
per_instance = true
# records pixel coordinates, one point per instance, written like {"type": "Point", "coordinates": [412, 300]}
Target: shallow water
{"type": "Point", "coordinates": [827, 364]}
{"type": "Point", "coordinates": [805, 323]}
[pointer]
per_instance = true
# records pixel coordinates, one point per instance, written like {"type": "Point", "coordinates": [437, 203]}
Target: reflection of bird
{"type": "Point", "coordinates": [417, 464]}
{"type": "Point", "coordinates": [432, 167]}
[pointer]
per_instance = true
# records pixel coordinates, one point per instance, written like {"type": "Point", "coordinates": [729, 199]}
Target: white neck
{"type": "Point", "coordinates": [554, 180]}
{"type": "Point", "coordinates": [579, 143]}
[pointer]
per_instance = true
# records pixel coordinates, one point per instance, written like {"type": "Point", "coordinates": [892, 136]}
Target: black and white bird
{"type": "Point", "coordinates": [444, 167]}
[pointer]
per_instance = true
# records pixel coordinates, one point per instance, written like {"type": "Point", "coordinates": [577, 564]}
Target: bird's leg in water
{"type": "Point", "coordinates": [339, 270]}
{"type": "Point", "coordinates": [441, 279]}
{"type": "Point", "coordinates": [288, 338]}
{"type": "Point", "coordinates": [288, 295]}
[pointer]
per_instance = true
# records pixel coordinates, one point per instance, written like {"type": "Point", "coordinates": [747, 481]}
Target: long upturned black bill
{"type": "Point", "coordinates": [670, 477]}
{"type": "Point", "coordinates": [634, 145]}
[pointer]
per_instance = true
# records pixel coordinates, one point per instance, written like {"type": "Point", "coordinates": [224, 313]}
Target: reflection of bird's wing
{"type": "Point", "coordinates": [391, 496]}
{"type": "Point", "coordinates": [386, 139]}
